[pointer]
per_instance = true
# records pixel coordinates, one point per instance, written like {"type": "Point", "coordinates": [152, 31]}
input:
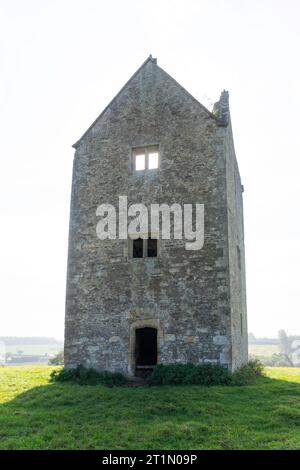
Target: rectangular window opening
{"type": "Point", "coordinates": [239, 257]}
{"type": "Point", "coordinates": [152, 247]}
{"type": "Point", "coordinates": [140, 162]}
{"type": "Point", "coordinates": [137, 248]}
{"type": "Point", "coordinates": [153, 160]}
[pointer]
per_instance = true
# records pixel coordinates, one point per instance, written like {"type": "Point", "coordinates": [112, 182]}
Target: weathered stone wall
{"type": "Point", "coordinates": [186, 295]}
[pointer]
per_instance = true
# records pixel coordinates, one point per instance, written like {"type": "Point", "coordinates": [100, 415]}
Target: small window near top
{"type": "Point", "coordinates": [145, 158]}
{"type": "Point", "coordinates": [153, 160]}
{"type": "Point", "coordinates": [239, 257]}
{"type": "Point", "coordinates": [140, 162]}
{"type": "Point", "coordinates": [152, 248]}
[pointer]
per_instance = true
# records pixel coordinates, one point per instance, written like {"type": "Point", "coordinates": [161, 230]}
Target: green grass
{"type": "Point", "coordinates": [36, 414]}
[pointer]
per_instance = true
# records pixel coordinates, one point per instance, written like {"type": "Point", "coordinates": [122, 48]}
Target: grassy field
{"type": "Point", "coordinates": [263, 350]}
{"type": "Point", "coordinates": [35, 414]}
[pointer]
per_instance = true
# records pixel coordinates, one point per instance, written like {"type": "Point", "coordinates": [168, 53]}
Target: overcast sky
{"type": "Point", "coordinates": [62, 61]}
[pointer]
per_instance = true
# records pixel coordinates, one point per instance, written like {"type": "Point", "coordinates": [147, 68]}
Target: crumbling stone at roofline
{"type": "Point", "coordinates": [221, 108]}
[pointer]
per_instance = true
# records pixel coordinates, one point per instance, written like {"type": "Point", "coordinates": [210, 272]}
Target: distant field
{"type": "Point", "coordinates": [259, 350]}
{"type": "Point", "coordinates": [263, 350]}
{"type": "Point", "coordinates": [35, 414]}
{"type": "Point", "coordinates": [34, 349]}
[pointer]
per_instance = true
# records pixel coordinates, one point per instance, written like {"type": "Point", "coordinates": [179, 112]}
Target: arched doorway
{"type": "Point", "coordinates": [145, 349]}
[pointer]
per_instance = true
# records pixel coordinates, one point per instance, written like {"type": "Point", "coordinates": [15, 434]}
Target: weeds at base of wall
{"type": "Point", "coordinates": [88, 376]}
{"type": "Point", "coordinates": [205, 374]}
{"type": "Point", "coordinates": [172, 374]}
{"type": "Point", "coordinates": [248, 373]}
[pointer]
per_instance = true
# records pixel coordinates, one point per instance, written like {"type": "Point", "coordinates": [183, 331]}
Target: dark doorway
{"type": "Point", "coordinates": [145, 348]}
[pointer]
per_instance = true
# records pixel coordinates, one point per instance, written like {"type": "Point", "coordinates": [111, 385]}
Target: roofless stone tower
{"type": "Point", "coordinates": [133, 303]}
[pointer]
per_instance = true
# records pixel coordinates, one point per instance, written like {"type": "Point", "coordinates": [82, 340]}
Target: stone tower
{"type": "Point", "coordinates": [133, 303]}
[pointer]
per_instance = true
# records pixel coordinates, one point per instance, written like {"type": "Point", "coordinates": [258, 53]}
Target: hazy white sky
{"type": "Point", "coordinates": [62, 61]}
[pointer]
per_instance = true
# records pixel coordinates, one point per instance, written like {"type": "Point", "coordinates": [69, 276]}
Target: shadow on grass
{"type": "Point", "coordinates": [69, 416]}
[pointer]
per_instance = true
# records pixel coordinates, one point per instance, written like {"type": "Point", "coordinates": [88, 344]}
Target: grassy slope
{"type": "Point", "coordinates": [37, 415]}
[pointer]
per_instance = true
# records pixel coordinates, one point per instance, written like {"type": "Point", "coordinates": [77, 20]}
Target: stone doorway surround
{"type": "Point", "coordinates": [143, 323]}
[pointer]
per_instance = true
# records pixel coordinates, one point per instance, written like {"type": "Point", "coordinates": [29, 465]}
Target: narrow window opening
{"type": "Point", "coordinates": [145, 351]}
{"type": "Point", "coordinates": [140, 162]}
{"type": "Point", "coordinates": [241, 324]}
{"type": "Point", "coordinates": [153, 160]}
{"type": "Point", "coordinates": [152, 247]}
{"type": "Point", "coordinates": [137, 248]}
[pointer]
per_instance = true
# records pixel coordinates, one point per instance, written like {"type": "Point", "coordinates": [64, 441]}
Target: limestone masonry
{"type": "Point", "coordinates": [132, 304]}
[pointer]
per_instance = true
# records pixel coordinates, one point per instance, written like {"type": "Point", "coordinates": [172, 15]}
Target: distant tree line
{"type": "Point", "coordinates": [15, 340]}
{"type": "Point", "coordinates": [254, 340]}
